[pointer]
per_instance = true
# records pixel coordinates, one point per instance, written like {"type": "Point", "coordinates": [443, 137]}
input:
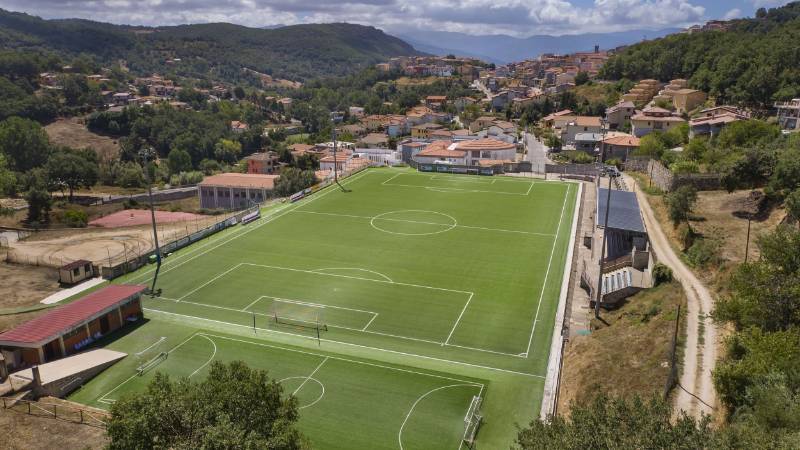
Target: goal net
{"type": "Point", "coordinates": [156, 360]}
{"type": "Point", "coordinates": [472, 421]}
{"type": "Point", "coordinates": [296, 314]}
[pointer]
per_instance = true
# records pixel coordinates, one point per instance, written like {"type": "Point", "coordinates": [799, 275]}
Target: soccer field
{"type": "Point", "coordinates": [385, 308]}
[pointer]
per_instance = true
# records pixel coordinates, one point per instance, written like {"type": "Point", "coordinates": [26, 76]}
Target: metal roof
{"type": "Point", "coordinates": [65, 318]}
{"type": "Point", "coordinates": [624, 213]}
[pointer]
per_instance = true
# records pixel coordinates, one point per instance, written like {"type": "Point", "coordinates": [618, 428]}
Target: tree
{"type": "Point", "coordinates": [617, 423]}
{"type": "Point", "coordinates": [24, 143]}
{"type": "Point", "coordinates": [294, 180]}
{"type": "Point", "coordinates": [179, 161]}
{"type": "Point", "coordinates": [227, 150]}
{"type": "Point", "coordinates": [8, 180]}
{"type": "Point", "coordinates": [581, 78]}
{"type": "Point", "coordinates": [793, 206]}
{"type": "Point", "coordinates": [680, 203]}
{"type": "Point", "coordinates": [72, 169]}
{"type": "Point", "coordinates": [38, 197]}
{"type": "Point", "coordinates": [651, 145]}
{"type": "Point", "coordinates": [766, 293]}
{"type": "Point", "coordinates": [238, 92]}
{"type": "Point", "coordinates": [234, 407]}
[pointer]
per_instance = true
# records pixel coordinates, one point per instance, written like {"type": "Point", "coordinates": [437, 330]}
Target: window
{"type": "Point", "coordinates": [87, 268]}
{"type": "Point", "coordinates": [76, 271]}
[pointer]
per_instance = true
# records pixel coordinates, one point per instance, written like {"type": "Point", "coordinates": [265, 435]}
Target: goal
{"type": "Point", "coordinates": [299, 315]}
{"type": "Point", "coordinates": [472, 421]}
{"type": "Point", "coordinates": [156, 360]}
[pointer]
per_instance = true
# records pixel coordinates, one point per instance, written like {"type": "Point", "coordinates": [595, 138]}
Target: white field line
{"type": "Point", "coordinates": [103, 398]}
{"type": "Point", "coordinates": [465, 176]}
{"type": "Point", "coordinates": [529, 189]}
{"type": "Point", "coordinates": [249, 305]}
{"type": "Point", "coordinates": [547, 272]}
{"type": "Point", "coordinates": [209, 359]}
{"type": "Point", "coordinates": [163, 338]}
{"type": "Point", "coordinates": [340, 358]}
{"type": "Point", "coordinates": [209, 282]}
{"type": "Point", "coordinates": [357, 278]}
{"type": "Point", "coordinates": [352, 216]}
{"type": "Point", "coordinates": [311, 304]}
{"type": "Point", "coordinates": [370, 322]}
{"type": "Point", "coordinates": [354, 268]}
{"type": "Point", "coordinates": [341, 327]}
{"type": "Point", "coordinates": [458, 189]}
{"type": "Point", "coordinates": [421, 397]}
{"type": "Point", "coordinates": [455, 325]}
{"type": "Point", "coordinates": [310, 376]}
{"type": "Point", "coordinates": [350, 344]}
{"type": "Point", "coordinates": [265, 220]}
{"type": "Point", "coordinates": [390, 179]}
{"type": "Point", "coordinates": [515, 355]}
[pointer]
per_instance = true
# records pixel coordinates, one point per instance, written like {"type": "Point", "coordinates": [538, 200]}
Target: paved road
{"type": "Point", "coordinates": [700, 355]}
{"type": "Point", "coordinates": [537, 152]}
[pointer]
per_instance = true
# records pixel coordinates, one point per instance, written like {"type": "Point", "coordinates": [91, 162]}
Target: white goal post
{"type": "Point", "coordinates": [472, 421]}
{"type": "Point", "coordinates": [156, 360]}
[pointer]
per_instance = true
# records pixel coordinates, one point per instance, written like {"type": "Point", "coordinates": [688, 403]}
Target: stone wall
{"type": "Point", "coordinates": [664, 179]}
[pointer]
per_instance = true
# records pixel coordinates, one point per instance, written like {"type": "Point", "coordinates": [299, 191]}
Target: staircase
{"type": "Point", "coordinates": [621, 283]}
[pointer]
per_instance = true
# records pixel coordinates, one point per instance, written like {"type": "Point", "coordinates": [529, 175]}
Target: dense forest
{"type": "Point", "coordinates": [218, 50]}
{"type": "Point", "coordinates": [755, 62]}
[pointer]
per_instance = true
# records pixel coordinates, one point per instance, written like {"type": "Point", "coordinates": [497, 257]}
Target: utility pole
{"type": "Point", "coordinates": [145, 154]}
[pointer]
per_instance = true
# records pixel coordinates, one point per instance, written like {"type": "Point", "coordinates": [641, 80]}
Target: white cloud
{"type": "Point", "coordinates": [735, 13]}
{"type": "Point", "coordinates": [517, 17]}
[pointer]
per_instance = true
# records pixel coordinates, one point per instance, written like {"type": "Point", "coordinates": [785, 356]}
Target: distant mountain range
{"type": "Point", "coordinates": [502, 49]}
{"type": "Point", "coordinates": [297, 52]}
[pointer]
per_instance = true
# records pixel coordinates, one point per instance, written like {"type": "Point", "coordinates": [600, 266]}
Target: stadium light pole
{"type": "Point", "coordinates": [336, 117]}
{"type": "Point", "coordinates": [145, 154]}
{"type": "Point", "coordinates": [599, 294]}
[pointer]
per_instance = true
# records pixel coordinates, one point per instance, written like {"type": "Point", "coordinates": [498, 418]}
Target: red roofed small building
{"type": "Point", "coordinates": [620, 146]}
{"type": "Point", "coordinates": [239, 127]}
{"type": "Point", "coordinates": [67, 329]}
{"type": "Point", "coordinates": [235, 190]}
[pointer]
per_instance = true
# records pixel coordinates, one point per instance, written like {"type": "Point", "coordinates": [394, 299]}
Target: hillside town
{"type": "Point", "coordinates": [318, 235]}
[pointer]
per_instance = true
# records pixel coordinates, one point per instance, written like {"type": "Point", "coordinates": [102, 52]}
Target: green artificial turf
{"type": "Point", "coordinates": [445, 277]}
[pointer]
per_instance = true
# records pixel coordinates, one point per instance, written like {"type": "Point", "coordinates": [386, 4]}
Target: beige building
{"type": "Point", "coordinates": [235, 190]}
{"type": "Point", "coordinates": [654, 119]}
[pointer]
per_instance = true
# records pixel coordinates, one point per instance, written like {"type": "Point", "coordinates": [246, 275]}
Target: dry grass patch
{"type": "Point", "coordinates": [72, 133]}
{"type": "Point", "coordinates": [628, 353]}
{"type": "Point", "coordinates": [22, 287]}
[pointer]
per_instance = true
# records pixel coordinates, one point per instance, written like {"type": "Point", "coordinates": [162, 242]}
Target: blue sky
{"type": "Point", "coordinates": [514, 17]}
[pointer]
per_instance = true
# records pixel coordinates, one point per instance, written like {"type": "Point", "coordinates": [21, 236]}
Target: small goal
{"type": "Point", "coordinates": [299, 315]}
{"type": "Point", "coordinates": [472, 421]}
{"type": "Point", "coordinates": [156, 360]}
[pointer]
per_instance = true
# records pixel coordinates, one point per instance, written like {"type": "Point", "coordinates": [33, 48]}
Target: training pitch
{"type": "Point", "coordinates": [385, 309]}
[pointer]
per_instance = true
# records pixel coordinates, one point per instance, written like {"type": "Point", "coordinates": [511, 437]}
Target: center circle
{"type": "Point", "coordinates": [306, 383]}
{"type": "Point", "coordinates": [413, 222]}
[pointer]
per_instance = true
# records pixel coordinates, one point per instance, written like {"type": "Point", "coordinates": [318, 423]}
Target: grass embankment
{"type": "Point", "coordinates": [628, 352]}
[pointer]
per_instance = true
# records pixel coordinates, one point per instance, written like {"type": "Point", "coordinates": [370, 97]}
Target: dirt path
{"type": "Point", "coordinates": [696, 393]}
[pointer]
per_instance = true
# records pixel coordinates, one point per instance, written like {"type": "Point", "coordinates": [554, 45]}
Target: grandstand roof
{"type": "Point", "coordinates": [65, 318]}
{"type": "Point", "coordinates": [624, 213]}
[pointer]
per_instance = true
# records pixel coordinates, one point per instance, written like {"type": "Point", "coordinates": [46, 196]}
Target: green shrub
{"type": "Point", "coordinates": [76, 219]}
{"type": "Point", "coordinates": [703, 252]}
{"type": "Point", "coordinates": [661, 274]}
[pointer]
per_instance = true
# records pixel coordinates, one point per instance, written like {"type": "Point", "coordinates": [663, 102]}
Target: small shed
{"type": "Point", "coordinates": [75, 272]}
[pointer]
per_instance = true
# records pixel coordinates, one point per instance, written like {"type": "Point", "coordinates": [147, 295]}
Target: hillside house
{"type": "Point", "coordinates": [617, 115]}
{"type": "Point", "coordinates": [789, 114]}
{"type": "Point", "coordinates": [712, 120]}
{"type": "Point", "coordinates": [581, 124]}
{"type": "Point", "coordinates": [654, 119]}
{"type": "Point", "coordinates": [619, 147]}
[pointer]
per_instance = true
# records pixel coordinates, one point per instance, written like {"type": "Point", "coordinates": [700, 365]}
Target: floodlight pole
{"type": "Point", "coordinates": [599, 294]}
{"type": "Point", "coordinates": [335, 118]}
{"type": "Point", "coordinates": [599, 297]}
{"type": "Point", "coordinates": [145, 153]}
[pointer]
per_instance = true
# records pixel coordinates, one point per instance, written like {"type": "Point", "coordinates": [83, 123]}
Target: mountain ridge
{"type": "Point", "coordinates": [505, 48]}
